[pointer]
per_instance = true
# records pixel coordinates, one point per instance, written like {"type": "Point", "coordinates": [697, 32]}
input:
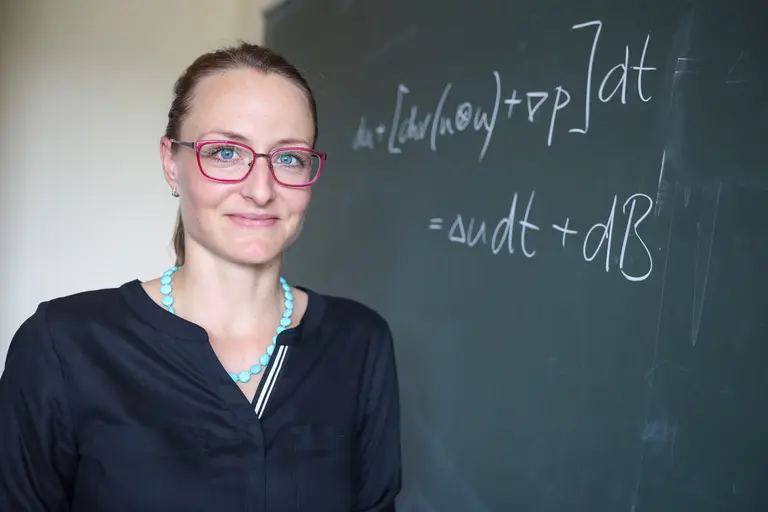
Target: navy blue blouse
{"type": "Point", "coordinates": [110, 403]}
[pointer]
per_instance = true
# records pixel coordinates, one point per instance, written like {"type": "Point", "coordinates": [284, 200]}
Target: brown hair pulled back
{"type": "Point", "coordinates": [243, 55]}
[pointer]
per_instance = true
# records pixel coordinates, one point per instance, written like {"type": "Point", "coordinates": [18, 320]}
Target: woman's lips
{"type": "Point", "coordinates": [253, 220]}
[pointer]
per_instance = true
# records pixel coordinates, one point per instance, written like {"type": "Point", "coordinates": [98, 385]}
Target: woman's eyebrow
{"type": "Point", "coordinates": [290, 141]}
{"type": "Point", "coordinates": [226, 134]}
{"type": "Point", "coordinates": [237, 137]}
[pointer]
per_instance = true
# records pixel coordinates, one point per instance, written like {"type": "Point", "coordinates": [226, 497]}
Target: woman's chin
{"type": "Point", "coordinates": [259, 258]}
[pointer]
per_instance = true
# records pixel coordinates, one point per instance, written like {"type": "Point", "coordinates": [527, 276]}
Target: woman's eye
{"type": "Point", "coordinates": [286, 159]}
{"type": "Point", "coordinates": [227, 153]}
{"type": "Point", "coordinates": [221, 152]}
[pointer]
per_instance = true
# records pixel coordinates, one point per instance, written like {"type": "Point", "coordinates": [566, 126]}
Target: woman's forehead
{"type": "Point", "coordinates": [248, 102]}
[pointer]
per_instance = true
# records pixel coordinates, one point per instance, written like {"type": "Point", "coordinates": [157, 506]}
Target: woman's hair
{"type": "Point", "coordinates": [244, 55]}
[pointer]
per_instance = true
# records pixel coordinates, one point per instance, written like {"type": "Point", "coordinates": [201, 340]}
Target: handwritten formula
{"type": "Point", "coordinates": [450, 117]}
{"type": "Point", "coordinates": [516, 232]}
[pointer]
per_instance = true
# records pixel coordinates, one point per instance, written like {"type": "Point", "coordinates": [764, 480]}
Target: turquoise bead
{"type": "Point", "coordinates": [244, 376]}
{"type": "Point", "coordinates": [287, 313]}
{"type": "Point", "coordinates": [270, 350]}
{"type": "Point", "coordinates": [288, 295]}
{"type": "Point", "coordinates": [166, 280]}
{"type": "Point", "coordinates": [233, 377]}
{"type": "Point", "coordinates": [282, 280]}
{"type": "Point", "coordinates": [166, 289]}
{"type": "Point", "coordinates": [274, 340]}
{"type": "Point", "coordinates": [289, 304]}
{"type": "Point", "coordinates": [285, 321]}
{"type": "Point", "coordinates": [264, 360]}
{"type": "Point", "coordinates": [255, 369]}
{"type": "Point", "coordinates": [286, 287]}
{"type": "Point", "coordinates": [280, 329]}
{"type": "Point", "coordinates": [171, 310]}
{"type": "Point", "coordinates": [167, 300]}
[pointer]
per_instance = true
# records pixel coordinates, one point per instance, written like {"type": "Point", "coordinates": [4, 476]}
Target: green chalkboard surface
{"type": "Point", "coordinates": [561, 208]}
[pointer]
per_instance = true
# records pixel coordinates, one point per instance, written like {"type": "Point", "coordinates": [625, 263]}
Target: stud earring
{"type": "Point", "coordinates": [174, 192]}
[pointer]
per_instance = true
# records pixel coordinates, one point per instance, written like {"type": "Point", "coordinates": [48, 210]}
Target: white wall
{"type": "Point", "coordinates": [84, 92]}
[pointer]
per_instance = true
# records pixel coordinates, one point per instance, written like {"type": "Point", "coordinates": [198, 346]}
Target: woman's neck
{"type": "Point", "coordinates": [228, 299]}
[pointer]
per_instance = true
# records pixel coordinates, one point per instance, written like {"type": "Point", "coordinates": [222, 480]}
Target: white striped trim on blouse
{"type": "Point", "coordinates": [269, 384]}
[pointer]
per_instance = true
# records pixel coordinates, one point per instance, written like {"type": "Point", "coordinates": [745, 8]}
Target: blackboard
{"type": "Point", "coordinates": [560, 207]}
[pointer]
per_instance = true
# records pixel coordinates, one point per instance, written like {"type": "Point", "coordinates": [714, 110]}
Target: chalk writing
{"type": "Point", "coordinates": [564, 230]}
{"type": "Point", "coordinates": [436, 223]}
{"type": "Point", "coordinates": [412, 123]}
{"type": "Point", "coordinates": [513, 231]}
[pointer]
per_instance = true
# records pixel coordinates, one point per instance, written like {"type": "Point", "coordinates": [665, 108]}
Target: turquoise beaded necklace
{"type": "Point", "coordinates": [166, 282]}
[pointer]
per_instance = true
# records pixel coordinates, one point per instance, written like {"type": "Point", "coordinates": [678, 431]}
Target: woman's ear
{"type": "Point", "coordinates": [170, 170]}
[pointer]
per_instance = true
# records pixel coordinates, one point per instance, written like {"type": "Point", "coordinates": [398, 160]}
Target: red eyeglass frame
{"type": "Point", "coordinates": [198, 144]}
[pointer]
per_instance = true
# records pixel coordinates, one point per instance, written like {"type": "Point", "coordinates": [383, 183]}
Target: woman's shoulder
{"type": "Point", "coordinates": [348, 312]}
{"type": "Point", "coordinates": [76, 310]}
{"type": "Point", "coordinates": [84, 305]}
{"type": "Point", "coordinates": [61, 318]}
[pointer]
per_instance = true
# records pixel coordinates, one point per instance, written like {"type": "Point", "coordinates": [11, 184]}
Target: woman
{"type": "Point", "coordinates": [218, 386]}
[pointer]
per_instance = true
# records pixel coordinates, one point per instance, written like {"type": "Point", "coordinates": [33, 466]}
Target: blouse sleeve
{"type": "Point", "coordinates": [37, 455]}
{"type": "Point", "coordinates": [379, 437]}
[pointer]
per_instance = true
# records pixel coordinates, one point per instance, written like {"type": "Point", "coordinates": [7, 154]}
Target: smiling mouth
{"type": "Point", "coordinates": [253, 220]}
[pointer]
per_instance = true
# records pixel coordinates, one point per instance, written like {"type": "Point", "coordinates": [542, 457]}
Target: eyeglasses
{"type": "Point", "coordinates": [226, 161]}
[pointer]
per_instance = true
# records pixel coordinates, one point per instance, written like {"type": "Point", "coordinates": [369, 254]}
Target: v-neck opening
{"type": "Point", "coordinates": [219, 379]}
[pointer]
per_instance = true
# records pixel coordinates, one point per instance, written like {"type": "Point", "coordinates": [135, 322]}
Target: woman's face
{"type": "Point", "coordinates": [254, 221]}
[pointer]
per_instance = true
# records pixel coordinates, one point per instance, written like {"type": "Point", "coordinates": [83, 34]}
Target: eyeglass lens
{"type": "Point", "coordinates": [223, 161]}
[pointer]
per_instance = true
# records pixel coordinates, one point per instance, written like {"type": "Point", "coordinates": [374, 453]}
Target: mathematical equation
{"type": "Point", "coordinates": [517, 230]}
{"type": "Point", "coordinates": [449, 117]}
